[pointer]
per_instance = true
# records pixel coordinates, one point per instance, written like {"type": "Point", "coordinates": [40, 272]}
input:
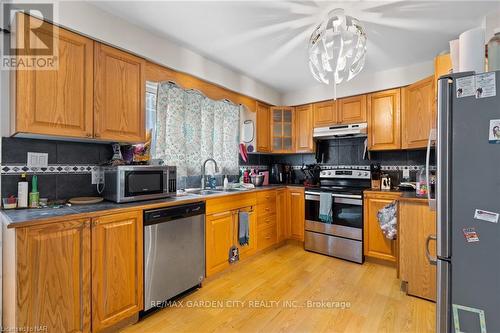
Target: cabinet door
{"type": "Point", "coordinates": [352, 109]}
{"type": "Point", "coordinates": [282, 228]}
{"type": "Point", "coordinates": [219, 239]}
{"type": "Point", "coordinates": [119, 93]}
{"type": "Point", "coordinates": [57, 102]}
{"type": "Point", "coordinates": [304, 129]}
{"type": "Point", "coordinates": [53, 276]}
{"type": "Point", "coordinates": [117, 261]}
{"type": "Point", "coordinates": [442, 66]}
{"type": "Point", "coordinates": [282, 129]}
{"type": "Point", "coordinates": [418, 113]}
{"type": "Point", "coordinates": [296, 211]}
{"type": "Point", "coordinates": [263, 127]}
{"type": "Point", "coordinates": [325, 114]}
{"type": "Point", "coordinates": [249, 249]}
{"type": "Point", "coordinates": [384, 123]}
{"type": "Point", "coordinates": [416, 223]}
{"type": "Point", "coordinates": [376, 245]}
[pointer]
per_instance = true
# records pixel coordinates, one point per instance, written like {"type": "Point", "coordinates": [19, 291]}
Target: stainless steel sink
{"type": "Point", "coordinates": [205, 192]}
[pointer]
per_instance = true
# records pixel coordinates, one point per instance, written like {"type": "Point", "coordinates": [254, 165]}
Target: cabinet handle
{"type": "Point", "coordinates": [94, 223]}
{"type": "Point", "coordinates": [97, 135]}
{"type": "Point", "coordinates": [268, 209]}
{"type": "Point", "coordinates": [86, 224]}
{"type": "Point", "coordinates": [432, 260]}
{"type": "Point", "coordinates": [223, 214]}
{"type": "Point", "coordinates": [268, 236]}
{"type": "Point", "coordinates": [88, 135]}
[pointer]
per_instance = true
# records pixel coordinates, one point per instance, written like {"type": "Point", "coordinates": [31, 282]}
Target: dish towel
{"type": "Point", "coordinates": [325, 207]}
{"type": "Point", "coordinates": [243, 228]}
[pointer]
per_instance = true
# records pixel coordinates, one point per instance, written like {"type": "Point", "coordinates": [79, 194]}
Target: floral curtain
{"type": "Point", "coordinates": [191, 128]}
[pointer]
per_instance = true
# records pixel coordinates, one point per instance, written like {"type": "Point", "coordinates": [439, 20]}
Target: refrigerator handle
{"type": "Point", "coordinates": [432, 260]}
{"type": "Point", "coordinates": [432, 137]}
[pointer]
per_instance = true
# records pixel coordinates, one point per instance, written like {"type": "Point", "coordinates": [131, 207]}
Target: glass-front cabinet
{"type": "Point", "coordinates": [282, 129]}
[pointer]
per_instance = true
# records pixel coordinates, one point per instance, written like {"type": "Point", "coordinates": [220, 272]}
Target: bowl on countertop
{"type": "Point", "coordinates": [257, 180]}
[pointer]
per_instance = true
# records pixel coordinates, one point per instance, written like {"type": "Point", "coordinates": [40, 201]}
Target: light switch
{"type": "Point", "coordinates": [37, 160]}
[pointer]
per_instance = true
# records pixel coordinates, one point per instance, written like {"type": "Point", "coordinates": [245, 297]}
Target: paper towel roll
{"type": "Point", "coordinates": [455, 55]}
{"type": "Point", "coordinates": [471, 50]}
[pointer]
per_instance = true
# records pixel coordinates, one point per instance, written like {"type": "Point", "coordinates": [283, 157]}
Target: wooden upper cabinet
{"type": "Point", "coordinates": [384, 120]}
{"type": "Point", "coordinates": [352, 109]}
{"type": "Point", "coordinates": [57, 102]}
{"type": "Point", "coordinates": [117, 263]}
{"type": "Point", "coordinates": [119, 93]}
{"type": "Point", "coordinates": [263, 127]}
{"type": "Point", "coordinates": [325, 114]}
{"type": "Point", "coordinates": [418, 114]}
{"type": "Point", "coordinates": [442, 66]}
{"type": "Point", "coordinates": [53, 276]}
{"type": "Point", "coordinates": [282, 129]}
{"type": "Point", "coordinates": [304, 129]}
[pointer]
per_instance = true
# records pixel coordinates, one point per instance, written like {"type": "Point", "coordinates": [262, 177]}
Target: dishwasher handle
{"type": "Point", "coordinates": [162, 215]}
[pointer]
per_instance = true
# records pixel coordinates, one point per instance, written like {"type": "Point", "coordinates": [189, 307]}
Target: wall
{"type": "Point", "coordinates": [348, 153]}
{"type": "Point", "coordinates": [70, 166]}
{"type": "Point", "coordinates": [363, 83]}
{"type": "Point", "coordinates": [101, 25]}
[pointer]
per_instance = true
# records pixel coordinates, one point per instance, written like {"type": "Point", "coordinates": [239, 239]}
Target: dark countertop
{"type": "Point", "coordinates": [404, 195]}
{"type": "Point", "coordinates": [22, 217]}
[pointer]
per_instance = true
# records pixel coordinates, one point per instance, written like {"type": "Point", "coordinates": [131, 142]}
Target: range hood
{"type": "Point", "coordinates": [340, 131]}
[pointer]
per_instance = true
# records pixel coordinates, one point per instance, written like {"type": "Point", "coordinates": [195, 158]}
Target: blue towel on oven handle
{"type": "Point", "coordinates": [325, 207]}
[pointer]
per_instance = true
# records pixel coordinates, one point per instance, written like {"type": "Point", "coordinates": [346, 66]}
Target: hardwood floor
{"type": "Point", "coordinates": [289, 276]}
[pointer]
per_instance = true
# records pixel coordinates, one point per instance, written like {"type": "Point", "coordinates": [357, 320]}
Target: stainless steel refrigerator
{"type": "Point", "coordinates": [468, 203]}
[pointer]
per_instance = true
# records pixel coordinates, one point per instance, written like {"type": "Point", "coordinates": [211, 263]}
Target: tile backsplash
{"type": "Point", "coordinates": [70, 165]}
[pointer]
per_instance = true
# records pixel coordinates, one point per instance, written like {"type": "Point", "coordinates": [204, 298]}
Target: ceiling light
{"type": "Point", "coordinates": [337, 49]}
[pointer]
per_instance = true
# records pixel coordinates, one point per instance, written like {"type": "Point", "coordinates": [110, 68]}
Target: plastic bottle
{"type": "Point", "coordinates": [422, 186]}
{"type": "Point", "coordinates": [226, 182]}
{"type": "Point", "coordinates": [34, 194]}
{"type": "Point", "coordinates": [494, 51]}
{"type": "Point", "coordinates": [22, 192]}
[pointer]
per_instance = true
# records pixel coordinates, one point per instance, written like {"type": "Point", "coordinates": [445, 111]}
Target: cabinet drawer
{"type": "Point", "coordinates": [266, 237]}
{"type": "Point", "coordinates": [266, 221]}
{"type": "Point", "coordinates": [266, 208]}
{"type": "Point", "coordinates": [266, 197]}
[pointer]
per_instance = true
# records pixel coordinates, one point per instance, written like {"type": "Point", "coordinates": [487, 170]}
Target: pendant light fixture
{"type": "Point", "coordinates": [337, 49]}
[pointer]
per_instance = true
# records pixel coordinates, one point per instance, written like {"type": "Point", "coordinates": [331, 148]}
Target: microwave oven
{"type": "Point", "coordinates": [127, 183]}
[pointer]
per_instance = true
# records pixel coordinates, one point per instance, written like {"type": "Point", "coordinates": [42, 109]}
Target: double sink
{"type": "Point", "coordinates": [216, 191]}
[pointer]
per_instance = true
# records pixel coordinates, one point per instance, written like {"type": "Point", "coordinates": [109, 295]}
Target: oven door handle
{"type": "Point", "coordinates": [341, 198]}
{"type": "Point", "coordinates": [335, 195]}
{"type": "Point", "coordinates": [347, 201]}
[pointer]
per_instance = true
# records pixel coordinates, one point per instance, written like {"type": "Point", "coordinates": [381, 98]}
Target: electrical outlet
{"type": "Point", "coordinates": [37, 160]}
{"type": "Point", "coordinates": [98, 176]}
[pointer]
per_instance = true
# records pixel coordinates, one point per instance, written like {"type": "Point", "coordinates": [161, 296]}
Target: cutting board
{"type": "Point", "coordinates": [85, 200]}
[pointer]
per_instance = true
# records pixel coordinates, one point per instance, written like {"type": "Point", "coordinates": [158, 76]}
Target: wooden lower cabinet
{"type": "Point", "coordinates": [376, 245]}
{"type": "Point", "coordinates": [79, 275]}
{"type": "Point", "coordinates": [53, 277]}
{"type": "Point", "coordinates": [283, 228]}
{"type": "Point", "coordinates": [416, 223]}
{"type": "Point", "coordinates": [117, 272]}
{"type": "Point", "coordinates": [219, 239]}
{"type": "Point", "coordinates": [295, 206]}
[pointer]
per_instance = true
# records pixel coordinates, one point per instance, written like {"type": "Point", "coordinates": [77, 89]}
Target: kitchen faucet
{"type": "Point", "coordinates": [203, 179]}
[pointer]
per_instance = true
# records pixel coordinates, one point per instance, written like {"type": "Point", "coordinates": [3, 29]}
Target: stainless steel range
{"type": "Point", "coordinates": [343, 236]}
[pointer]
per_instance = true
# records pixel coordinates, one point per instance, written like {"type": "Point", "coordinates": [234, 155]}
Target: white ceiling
{"type": "Point", "coordinates": [267, 40]}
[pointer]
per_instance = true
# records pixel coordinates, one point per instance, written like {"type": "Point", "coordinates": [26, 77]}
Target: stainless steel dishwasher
{"type": "Point", "coordinates": [174, 252]}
